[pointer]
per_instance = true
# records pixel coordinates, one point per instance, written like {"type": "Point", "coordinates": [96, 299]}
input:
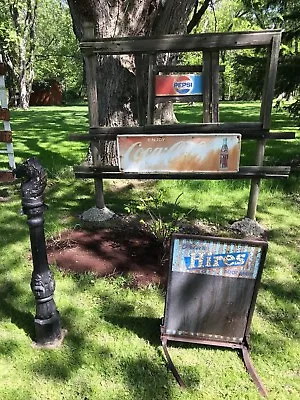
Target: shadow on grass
{"type": "Point", "coordinates": [143, 377]}
{"type": "Point", "coordinates": [9, 293]}
{"type": "Point", "coordinates": [285, 316]}
{"type": "Point", "coordinates": [43, 132]}
{"type": "Point", "coordinates": [147, 379]}
{"type": "Point", "coordinates": [60, 365]}
{"type": "Point", "coordinates": [146, 328]}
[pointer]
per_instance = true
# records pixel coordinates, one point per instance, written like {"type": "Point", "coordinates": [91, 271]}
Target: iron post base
{"type": "Point", "coordinates": [48, 331]}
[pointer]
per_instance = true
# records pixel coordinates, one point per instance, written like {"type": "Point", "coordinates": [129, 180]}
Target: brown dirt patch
{"type": "Point", "coordinates": [122, 247]}
{"type": "Point", "coordinates": [110, 252]}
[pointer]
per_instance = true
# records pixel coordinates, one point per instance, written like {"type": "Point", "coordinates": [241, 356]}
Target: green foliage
{"type": "Point", "coordinates": [160, 226]}
{"type": "Point", "coordinates": [57, 50]}
{"type": "Point", "coordinates": [17, 42]}
{"type": "Point", "coordinates": [224, 16]}
{"type": "Point", "coordinates": [244, 70]}
{"type": "Point", "coordinates": [281, 15]}
{"type": "Point", "coordinates": [294, 109]}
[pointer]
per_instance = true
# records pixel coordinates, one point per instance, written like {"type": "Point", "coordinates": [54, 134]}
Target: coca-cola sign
{"type": "Point", "coordinates": [179, 153]}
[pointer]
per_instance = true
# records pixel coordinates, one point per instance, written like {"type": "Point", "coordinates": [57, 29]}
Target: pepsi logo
{"type": "Point", "coordinates": [183, 85]}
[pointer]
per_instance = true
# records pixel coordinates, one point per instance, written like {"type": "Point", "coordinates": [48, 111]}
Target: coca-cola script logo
{"type": "Point", "coordinates": [142, 156]}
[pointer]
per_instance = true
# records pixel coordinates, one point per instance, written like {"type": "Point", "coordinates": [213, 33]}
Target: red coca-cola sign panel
{"type": "Point", "coordinates": [179, 153]}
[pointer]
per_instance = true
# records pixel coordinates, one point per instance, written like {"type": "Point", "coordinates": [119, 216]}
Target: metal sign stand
{"type": "Point", "coordinates": [212, 289]}
{"type": "Point", "coordinates": [244, 352]}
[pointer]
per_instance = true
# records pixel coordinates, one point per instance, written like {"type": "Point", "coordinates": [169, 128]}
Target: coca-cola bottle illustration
{"type": "Point", "coordinates": [224, 155]}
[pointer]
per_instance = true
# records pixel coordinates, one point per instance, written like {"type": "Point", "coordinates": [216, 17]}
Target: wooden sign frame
{"type": "Point", "coordinates": [211, 294]}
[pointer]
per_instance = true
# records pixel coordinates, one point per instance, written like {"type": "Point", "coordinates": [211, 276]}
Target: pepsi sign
{"type": "Point", "coordinates": [183, 85]}
{"type": "Point", "coordinates": [178, 85]}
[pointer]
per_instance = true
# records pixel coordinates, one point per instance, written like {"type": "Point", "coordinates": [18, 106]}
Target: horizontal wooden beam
{"type": "Point", "coordinates": [7, 176]}
{"type": "Point", "coordinates": [182, 68]}
{"type": "Point", "coordinates": [2, 69]}
{"type": "Point", "coordinates": [5, 136]}
{"type": "Point", "coordinates": [178, 43]}
{"type": "Point", "coordinates": [4, 114]}
{"type": "Point", "coordinates": [180, 99]}
{"type": "Point", "coordinates": [244, 173]}
{"type": "Point", "coordinates": [236, 127]}
{"type": "Point", "coordinates": [247, 131]}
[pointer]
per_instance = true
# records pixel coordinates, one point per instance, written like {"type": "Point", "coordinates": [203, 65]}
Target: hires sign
{"type": "Point", "coordinates": [179, 153]}
{"type": "Point", "coordinates": [201, 260]}
{"type": "Point", "coordinates": [220, 257]}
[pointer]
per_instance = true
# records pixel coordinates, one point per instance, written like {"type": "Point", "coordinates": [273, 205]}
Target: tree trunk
{"type": "Point", "coordinates": [24, 20]}
{"type": "Point", "coordinates": [116, 74]}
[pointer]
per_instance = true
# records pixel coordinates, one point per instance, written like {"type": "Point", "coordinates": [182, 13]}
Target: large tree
{"type": "Point", "coordinates": [128, 18]}
{"type": "Point", "coordinates": [116, 18]}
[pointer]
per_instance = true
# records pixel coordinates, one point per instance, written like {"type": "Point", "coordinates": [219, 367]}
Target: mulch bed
{"type": "Point", "coordinates": [123, 248]}
{"type": "Point", "coordinates": [110, 252]}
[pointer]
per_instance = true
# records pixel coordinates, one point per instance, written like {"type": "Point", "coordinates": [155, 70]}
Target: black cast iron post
{"type": "Point", "coordinates": [47, 321]}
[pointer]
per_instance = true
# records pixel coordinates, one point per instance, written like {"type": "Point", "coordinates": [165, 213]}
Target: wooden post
{"type": "Point", "coordinates": [269, 83]}
{"type": "Point", "coordinates": [265, 118]}
{"type": "Point", "coordinates": [206, 74]}
{"type": "Point", "coordinates": [255, 183]}
{"type": "Point", "coordinates": [211, 73]}
{"type": "Point", "coordinates": [151, 89]}
{"type": "Point", "coordinates": [91, 81]}
{"type": "Point", "coordinates": [140, 88]}
{"type": "Point", "coordinates": [215, 73]}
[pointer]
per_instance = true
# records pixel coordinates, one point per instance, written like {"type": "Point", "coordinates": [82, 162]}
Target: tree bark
{"type": "Point", "coordinates": [116, 74]}
{"type": "Point", "coordinates": [24, 20]}
{"type": "Point", "coordinates": [126, 18]}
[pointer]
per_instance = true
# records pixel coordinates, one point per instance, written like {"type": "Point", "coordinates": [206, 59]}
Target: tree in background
{"type": "Point", "coordinates": [57, 51]}
{"type": "Point", "coordinates": [244, 70]}
{"type": "Point", "coordinates": [17, 43]}
{"type": "Point", "coordinates": [225, 16]}
{"type": "Point", "coordinates": [38, 42]}
{"type": "Point", "coordinates": [285, 15]}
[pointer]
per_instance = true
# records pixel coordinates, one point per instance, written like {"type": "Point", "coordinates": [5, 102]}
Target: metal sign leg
{"type": "Point", "coordinates": [251, 370]}
{"type": "Point", "coordinates": [171, 365]}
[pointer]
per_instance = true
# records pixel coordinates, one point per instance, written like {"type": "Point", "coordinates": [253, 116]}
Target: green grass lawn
{"type": "Point", "coordinates": [112, 350]}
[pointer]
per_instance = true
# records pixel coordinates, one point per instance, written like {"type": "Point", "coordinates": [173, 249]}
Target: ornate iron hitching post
{"type": "Point", "coordinates": [47, 321]}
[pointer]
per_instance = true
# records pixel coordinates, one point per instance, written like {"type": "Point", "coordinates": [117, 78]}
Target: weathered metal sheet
{"type": "Point", "coordinates": [218, 153]}
{"type": "Point", "coordinates": [210, 257]}
{"type": "Point", "coordinates": [212, 288]}
{"type": "Point", "coordinates": [178, 85]}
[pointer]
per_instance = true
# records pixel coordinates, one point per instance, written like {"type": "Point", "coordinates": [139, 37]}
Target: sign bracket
{"type": "Point", "coordinates": [244, 348]}
{"type": "Point", "coordinates": [170, 362]}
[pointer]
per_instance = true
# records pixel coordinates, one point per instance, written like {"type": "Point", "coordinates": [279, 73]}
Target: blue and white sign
{"type": "Point", "coordinates": [219, 258]}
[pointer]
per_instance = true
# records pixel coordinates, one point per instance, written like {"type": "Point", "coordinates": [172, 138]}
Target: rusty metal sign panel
{"type": "Point", "coordinates": [212, 290]}
{"type": "Point", "coordinates": [212, 286]}
{"type": "Point", "coordinates": [179, 153]}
